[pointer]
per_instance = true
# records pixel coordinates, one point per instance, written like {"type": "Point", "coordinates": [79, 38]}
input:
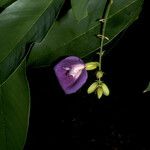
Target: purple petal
{"type": "Point", "coordinates": [71, 74]}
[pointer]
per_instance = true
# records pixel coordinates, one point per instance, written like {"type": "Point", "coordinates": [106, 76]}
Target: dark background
{"type": "Point", "coordinates": [81, 121]}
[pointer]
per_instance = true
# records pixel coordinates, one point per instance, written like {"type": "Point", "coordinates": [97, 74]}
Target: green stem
{"type": "Point", "coordinates": [103, 28]}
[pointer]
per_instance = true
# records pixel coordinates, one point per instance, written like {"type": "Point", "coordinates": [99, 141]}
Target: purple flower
{"type": "Point", "coordinates": [71, 74]}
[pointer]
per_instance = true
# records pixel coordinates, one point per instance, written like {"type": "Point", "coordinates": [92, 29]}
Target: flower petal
{"type": "Point", "coordinates": [69, 83]}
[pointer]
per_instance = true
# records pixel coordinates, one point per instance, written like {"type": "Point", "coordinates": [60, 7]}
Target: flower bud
{"type": "Point", "coordinates": [91, 65]}
{"type": "Point", "coordinates": [99, 92]}
{"type": "Point", "coordinates": [92, 87]}
{"type": "Point", "coordinates": [99, 74]}
{"type": "Point", "coordinates": [105, 89]}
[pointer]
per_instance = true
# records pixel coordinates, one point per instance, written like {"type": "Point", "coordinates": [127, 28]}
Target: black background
{"type": "Point", "coordinates": [81, 121]}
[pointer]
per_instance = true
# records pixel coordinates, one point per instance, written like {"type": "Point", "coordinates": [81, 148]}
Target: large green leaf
{"type": "Point", "coordinates": [14, 110]}
{"type": "Point", "coordinates": [23, 22]}
{"type": "Point", "coordinates": [70, 37]}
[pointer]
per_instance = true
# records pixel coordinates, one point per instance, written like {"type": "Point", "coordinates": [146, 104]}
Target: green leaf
{"type": "Point", "coordinates": [22, 23]}
{"type": "Point", "coordinates": [70, 37]}
{"type": "Point", "coordinates": [148, 88]}
{"type": "Point", "coordinates": [14, 110]}
{"type": "Point", "coordinates": [79, 8]}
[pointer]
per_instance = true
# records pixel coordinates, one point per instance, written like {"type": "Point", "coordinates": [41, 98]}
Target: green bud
{"type": "Point", "coordinates": [91, 65]}
{"type": "Point", "coordinates": [105, 89]}
{"type": "Point", "coordinates": [99, 74]}
{"type": "Point", "coordinates": [92, 87]}
{"type": "Point", "coordinates": [99, 92]}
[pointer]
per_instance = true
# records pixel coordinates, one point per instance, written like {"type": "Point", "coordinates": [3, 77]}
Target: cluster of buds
{"type": "Point", "coordinates": [98, 87]}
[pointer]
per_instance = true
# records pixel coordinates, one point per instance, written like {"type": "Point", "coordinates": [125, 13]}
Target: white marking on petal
{"type": "Point", "coordinates": [76, 70]}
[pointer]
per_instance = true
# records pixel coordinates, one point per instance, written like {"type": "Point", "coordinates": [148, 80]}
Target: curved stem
{"type": "Point", "coordinates": [103, 28]}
